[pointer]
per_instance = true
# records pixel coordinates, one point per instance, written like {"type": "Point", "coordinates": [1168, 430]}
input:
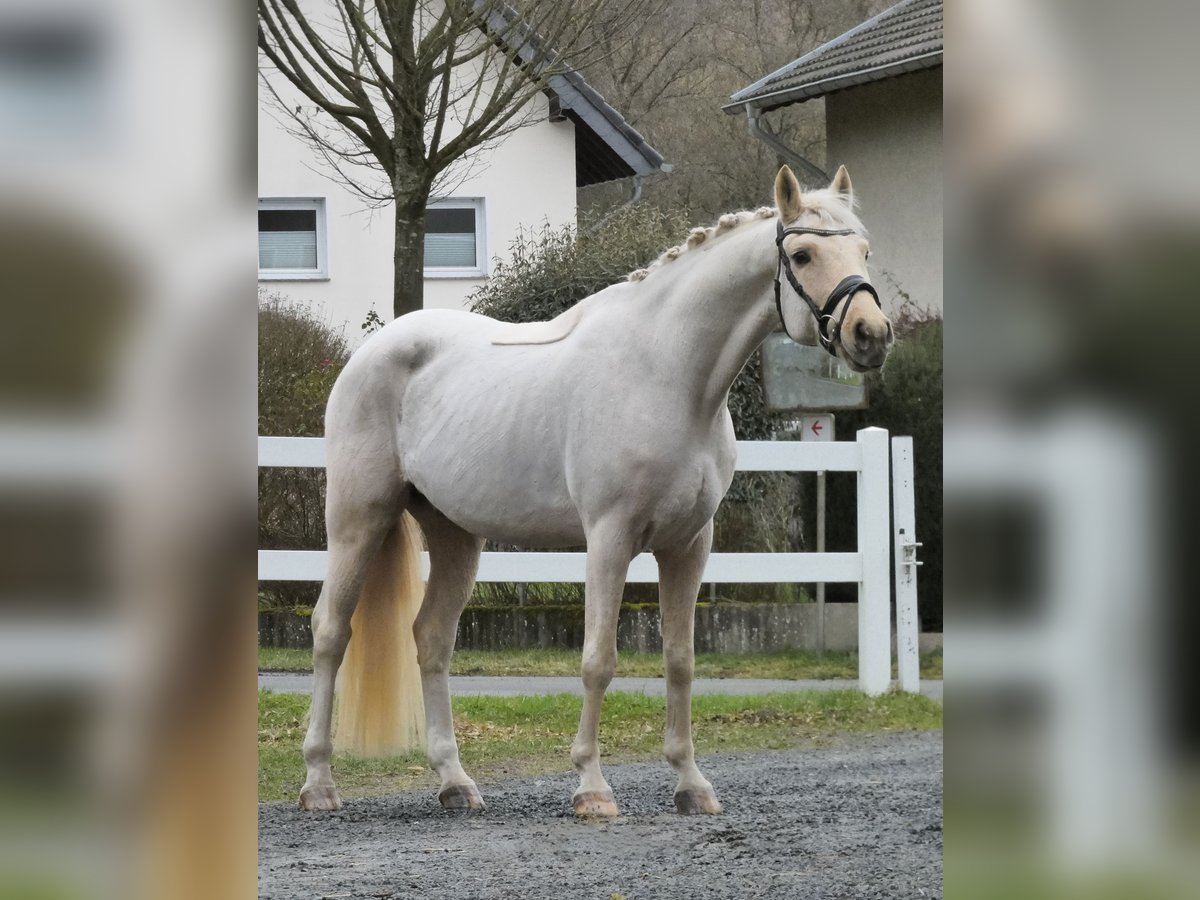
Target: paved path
{"type": "Point", "coordinates": [510, 686]}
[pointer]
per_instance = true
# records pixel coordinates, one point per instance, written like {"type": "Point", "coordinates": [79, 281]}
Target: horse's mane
{"type": "Point", "coordinates": [829, 208]}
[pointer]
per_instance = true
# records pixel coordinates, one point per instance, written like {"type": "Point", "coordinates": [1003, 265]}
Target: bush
{"type": "Point", "coordinates": [906, 399]}
{"type": "Point", "coordinates": [553, 269]}
{"type": "Point", "coordinates": [299, 358]}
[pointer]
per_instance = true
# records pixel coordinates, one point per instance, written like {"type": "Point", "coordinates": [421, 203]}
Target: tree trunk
{"type": "Point", "coordinates": [408, 260]}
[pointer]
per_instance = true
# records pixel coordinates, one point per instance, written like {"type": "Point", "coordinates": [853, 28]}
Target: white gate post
{"type": "Point", "coordinates": [874, 545]}
{"type": "Point", "coordinates": [908, 659]}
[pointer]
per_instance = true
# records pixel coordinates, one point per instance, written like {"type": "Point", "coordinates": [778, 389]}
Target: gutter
{"type": "Point", "coordinates": [816, 176]}
{"type": "Point", "coordinates": [634, 197]}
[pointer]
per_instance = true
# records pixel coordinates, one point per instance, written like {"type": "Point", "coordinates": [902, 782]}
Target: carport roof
{"type": "Point", "coordinates": [903, 38]}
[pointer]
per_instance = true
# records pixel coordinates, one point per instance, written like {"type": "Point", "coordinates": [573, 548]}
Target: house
{"type": "Point", "coordinates": [882, 86]}
{"type": "Point", "coordinates": [322, 244]}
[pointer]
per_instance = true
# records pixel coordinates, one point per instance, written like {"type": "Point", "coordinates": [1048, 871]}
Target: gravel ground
{"type": "Point", "coordinates": [859, 819]}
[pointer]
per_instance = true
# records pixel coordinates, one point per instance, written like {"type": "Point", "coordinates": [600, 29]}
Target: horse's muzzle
{"type": "Point", "coordinates": [868, 344]}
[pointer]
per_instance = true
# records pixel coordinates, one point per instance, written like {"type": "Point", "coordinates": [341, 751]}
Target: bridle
{"type": "Point", "coordinates": [845, 288]}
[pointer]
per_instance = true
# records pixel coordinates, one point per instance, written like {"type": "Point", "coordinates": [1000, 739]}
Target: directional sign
{"type": "Point", "coordinates": [816, 428]}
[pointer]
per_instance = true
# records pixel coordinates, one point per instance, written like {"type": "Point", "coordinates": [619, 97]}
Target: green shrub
{"type": "Point", "coordinates": [299, 357]}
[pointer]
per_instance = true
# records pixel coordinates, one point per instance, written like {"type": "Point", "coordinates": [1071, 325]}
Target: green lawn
{"type": "Point", "coordinates": [782, 664]}
{"type": "Point", "coordinates": [503, 736]}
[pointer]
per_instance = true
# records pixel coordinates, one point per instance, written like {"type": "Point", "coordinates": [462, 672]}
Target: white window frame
{"type": "Point", "coordinates": [481, 254]}
{"type": "Point", "coordinates": [321, 272]}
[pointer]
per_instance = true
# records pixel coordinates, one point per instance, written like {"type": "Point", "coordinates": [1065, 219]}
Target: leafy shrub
{"type": "Point", "coordinates": [299, 358]}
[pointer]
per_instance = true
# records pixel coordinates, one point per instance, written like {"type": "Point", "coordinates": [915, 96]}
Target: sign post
{"type": "Point", "coordinates": [819, 428]}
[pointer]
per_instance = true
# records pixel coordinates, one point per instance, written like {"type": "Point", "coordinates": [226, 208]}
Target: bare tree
{"type": "Point", "coordinates": [673, 77]}
{"type": "Point", "coordinates": [396, 96]}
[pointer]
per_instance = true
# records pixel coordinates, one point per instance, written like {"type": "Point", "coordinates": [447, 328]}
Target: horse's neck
{"type": "Point", "coordinates": [715, 311]}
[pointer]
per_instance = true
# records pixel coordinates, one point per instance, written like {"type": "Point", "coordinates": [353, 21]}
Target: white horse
{"type": "Point", "coordinates": [606, 426]}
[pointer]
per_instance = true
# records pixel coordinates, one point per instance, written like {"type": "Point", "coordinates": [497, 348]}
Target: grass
{"type": "Point", "coordinates": [505, 736]}
{"type": "Point", "coordinates": [781, 664]}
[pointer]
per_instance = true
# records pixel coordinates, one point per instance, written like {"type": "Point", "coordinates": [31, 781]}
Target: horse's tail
{"type": "Point", "coordinates": [380, 709]}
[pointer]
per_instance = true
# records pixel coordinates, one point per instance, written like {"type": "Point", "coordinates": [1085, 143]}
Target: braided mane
{"type": "Point", "coordinates": [829, 208]}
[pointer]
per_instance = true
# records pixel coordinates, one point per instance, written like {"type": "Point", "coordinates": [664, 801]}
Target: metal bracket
{"type": "Point", "coordinates": [908, 554]}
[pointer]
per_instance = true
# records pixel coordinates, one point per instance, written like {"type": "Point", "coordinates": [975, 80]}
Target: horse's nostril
{"type": "Point", "coordinates": [862, 334]}
{"type": "Point", "coordinates": [891, 335]}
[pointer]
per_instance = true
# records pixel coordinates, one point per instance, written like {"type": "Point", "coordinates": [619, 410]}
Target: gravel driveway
{"type": "Point", "coordinates": [861, 818]}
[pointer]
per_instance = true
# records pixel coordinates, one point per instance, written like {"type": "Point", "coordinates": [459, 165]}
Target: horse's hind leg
{"type": "Point", "coordinates": [453, 563]}
{"type": "Point", "coordinates": [356, 533]}
{"type": "Point", "coordinates": [679, 573]}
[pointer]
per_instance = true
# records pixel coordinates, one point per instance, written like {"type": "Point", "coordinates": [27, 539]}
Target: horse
{"type": "Point", "coordinates": [606, 427]}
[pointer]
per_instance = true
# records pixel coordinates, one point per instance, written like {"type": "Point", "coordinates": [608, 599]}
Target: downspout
{"type": "Point", "coordinates": [633, 198]}
{"type": "Point", "coordinates": [814, 175]}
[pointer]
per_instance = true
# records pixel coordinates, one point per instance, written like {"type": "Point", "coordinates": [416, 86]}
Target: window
{"type": "Point", "coordinates": [291, 240]}
{"type": "Point", "coordinates": [454, 239]}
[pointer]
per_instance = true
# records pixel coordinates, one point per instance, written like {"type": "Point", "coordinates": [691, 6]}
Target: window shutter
{"type": "Point", "coordinates": [450, 239]}
{"type": "Point", "coordinates": [287, 239]}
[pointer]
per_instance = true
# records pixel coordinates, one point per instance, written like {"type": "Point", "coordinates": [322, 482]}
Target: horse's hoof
{"type": "Point", "coordinates": [461, 796]}
{"type": "Point", "coordinates": [321, 796]}
{"type": "Point", "coordinates": [590, 804]}
{"type": "Point", "coordinates": [697, 803]}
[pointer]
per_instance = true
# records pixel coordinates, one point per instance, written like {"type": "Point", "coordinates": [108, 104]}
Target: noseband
{"type": "Point", "coordinates": [824, 315]}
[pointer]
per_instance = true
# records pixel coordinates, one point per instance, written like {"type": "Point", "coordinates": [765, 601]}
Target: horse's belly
{"type": "Point", "coordinates": [489, 456]}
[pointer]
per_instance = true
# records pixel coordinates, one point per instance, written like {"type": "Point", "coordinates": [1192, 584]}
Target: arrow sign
{"type": "Point", "coordinates": [816, 427]}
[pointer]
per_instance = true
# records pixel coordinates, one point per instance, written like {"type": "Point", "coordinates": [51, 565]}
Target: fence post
{"type": "Point", "coordinates": [874, 591]}
{"type": "Point", "coordinates": [908, 659]}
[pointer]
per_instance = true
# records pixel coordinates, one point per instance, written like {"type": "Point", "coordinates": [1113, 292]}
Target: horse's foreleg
{"type": "Point", "coordinates": [679, 574]}
{"type": "Point", "coordinates": [607, 566]}
{"type": "Point", "coordinates": [454, 561]}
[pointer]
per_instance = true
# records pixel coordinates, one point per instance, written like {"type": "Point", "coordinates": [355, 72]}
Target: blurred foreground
{"type": "Point", "coordinates": [127, 712]}
{"type": "Point", "coordinates": [1072, 223]}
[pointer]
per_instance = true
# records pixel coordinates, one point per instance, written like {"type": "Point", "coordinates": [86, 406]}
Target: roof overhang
{"type": "Point", "coordinates": [841, 82]}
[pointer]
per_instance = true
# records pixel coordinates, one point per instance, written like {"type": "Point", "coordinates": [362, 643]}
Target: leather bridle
{"type": "Point", "coordinates": [846, 288]}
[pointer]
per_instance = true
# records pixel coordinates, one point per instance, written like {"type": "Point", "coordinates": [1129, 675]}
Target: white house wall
{"type": "Point", "coordinates": [889, 136]}
{"type": "Point", "coordinates": [527, 181]}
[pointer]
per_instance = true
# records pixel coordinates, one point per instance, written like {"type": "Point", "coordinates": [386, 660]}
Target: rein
{"type": "Point", "coordinates": [845, 288]}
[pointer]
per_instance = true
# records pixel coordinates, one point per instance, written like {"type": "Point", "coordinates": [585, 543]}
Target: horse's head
{"type": "Point", "coordinates": [823, 254]}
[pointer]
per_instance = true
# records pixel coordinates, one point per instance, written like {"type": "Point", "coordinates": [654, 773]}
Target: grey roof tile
{"type": "Point", "coordinates": [902, 38]}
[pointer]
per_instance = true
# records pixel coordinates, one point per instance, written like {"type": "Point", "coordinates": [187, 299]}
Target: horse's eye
{"type": "Point", "coordinates": [801, 257]}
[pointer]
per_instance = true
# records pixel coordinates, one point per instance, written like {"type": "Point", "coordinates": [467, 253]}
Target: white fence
{"type": "Point", "coordinates": [868, 566]}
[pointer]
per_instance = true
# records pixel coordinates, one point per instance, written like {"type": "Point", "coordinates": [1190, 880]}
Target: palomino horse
{"type": "Point", "coordinates": [606, 426]}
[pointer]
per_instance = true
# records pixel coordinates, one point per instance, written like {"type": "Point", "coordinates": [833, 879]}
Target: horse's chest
{"type": "Point", "coordinates": [679, 499]}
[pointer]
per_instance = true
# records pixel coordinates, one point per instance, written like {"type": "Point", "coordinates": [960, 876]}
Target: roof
{"type": "Point", "coordinates": [903, 38]}
{"type": "Point", "coordinates": [606, 146]}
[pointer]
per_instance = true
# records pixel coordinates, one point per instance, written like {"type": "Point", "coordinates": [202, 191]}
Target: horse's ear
{"type": "Point", "coordinates": [841, 185]}
{"type": "Point", "coordinates": [787, 195]}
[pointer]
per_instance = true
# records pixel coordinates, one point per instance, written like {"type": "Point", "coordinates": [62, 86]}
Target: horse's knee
{"type": "Point", "coordinates": [599, 666]}
{"type": "Point", "coordinates": [680, 666]}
